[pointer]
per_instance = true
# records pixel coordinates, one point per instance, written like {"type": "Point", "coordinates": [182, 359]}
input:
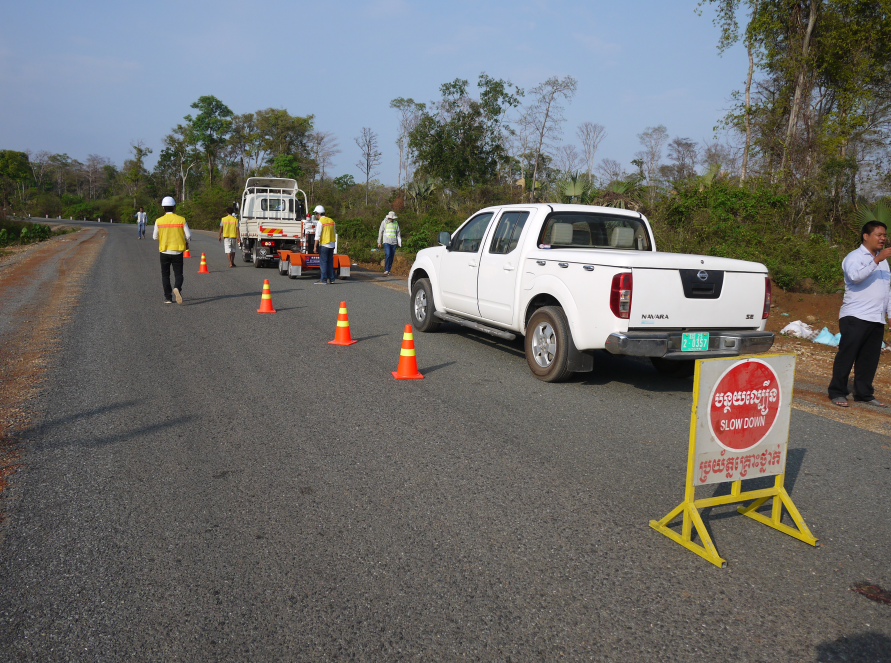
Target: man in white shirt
{"type": "Point", "coordinates": [141, 220]}
{"type": "Point", "coordinates": [862, 317]}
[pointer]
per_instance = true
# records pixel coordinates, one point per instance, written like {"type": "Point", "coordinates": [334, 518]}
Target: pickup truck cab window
{"type": "Point", "coordinates": [470, 237]}
{"type": "Point", "coordinates": [584, 230]}
{"type": "Point", "coordinates": [507, 234]}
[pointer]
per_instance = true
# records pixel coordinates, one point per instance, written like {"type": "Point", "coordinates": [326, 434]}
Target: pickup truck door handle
{"type": "Point", "coordinates": [508, 268]}
{"type": "Point", "coordinates": [472, 263]}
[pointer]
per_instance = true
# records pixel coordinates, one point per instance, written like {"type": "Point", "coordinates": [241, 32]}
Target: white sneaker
{"type": "Point", "coordinates": [179, 297]}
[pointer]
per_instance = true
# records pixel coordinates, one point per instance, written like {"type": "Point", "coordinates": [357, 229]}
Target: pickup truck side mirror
{"type": "Point", "coordinates": [444, 238]}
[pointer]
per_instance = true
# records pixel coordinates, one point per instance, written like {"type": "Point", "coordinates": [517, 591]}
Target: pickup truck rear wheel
{"type": "Point", "coordinates": [547, 344]}
{"type": "Point", "coordinates": [256, 258]}
{"type": "Point", "coordinates": [676, 368]}
{"type": "Point", "coordinates": [421, 304]}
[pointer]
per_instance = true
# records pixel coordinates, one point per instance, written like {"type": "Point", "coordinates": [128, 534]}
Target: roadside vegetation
{"type": "Point", "coordinates": [802, 155]}
{"type": "Point", "coordinates": [20, 233]}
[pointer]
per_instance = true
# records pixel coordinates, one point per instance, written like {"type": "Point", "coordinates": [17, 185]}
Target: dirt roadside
{"type": "Point", "coordinates": [52, 272]}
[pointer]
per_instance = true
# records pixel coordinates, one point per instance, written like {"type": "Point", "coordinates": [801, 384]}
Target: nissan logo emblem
{"type": "Point", "coordinates": [702, 276]}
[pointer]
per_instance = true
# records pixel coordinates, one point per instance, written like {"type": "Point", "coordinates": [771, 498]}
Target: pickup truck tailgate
{"type": "Point", "coordinates": [696, 299]}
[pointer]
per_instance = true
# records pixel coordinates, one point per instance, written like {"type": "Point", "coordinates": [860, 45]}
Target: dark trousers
{"type": "Point", "coordinates": [169, 260]}
{"type": "Point", "coordinates": [860, 347]}
{"type": "Point", "coordinates": [326, 263]}
{"type": "Point", "coordinates": [389, 253]}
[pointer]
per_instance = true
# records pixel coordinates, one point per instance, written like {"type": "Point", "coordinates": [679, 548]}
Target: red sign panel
{"type": "Point", "coordinates": [744, 405]}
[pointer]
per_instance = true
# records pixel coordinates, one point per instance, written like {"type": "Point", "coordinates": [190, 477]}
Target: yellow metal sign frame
{"type": "Point", "coordinates": [690, 506]}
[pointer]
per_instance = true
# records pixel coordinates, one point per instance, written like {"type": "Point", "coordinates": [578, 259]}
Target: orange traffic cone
{"type": "Point", "coordinates": [408, 365]}
{"type": "Point", "coordinates": [187, 254]}
{"type": "Point", "coordinates": [266, 299]}
{"type": "Point", "coordinates": [342, 334]}
{"type": "Point", "coordinates": [202, 269]}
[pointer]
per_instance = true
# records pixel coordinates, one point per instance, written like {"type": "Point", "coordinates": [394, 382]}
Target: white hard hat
{"type": "Point", "coordinates": [168, 202]}
{"type": "Point", "coordinates": [319, 210]}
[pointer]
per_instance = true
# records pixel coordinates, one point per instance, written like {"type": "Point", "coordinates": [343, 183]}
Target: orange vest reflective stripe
{"type": "Point", "coordinates": [230, 226]}
{"type": "Point", "coordinates": [327, 234]}
{"type": "Point", "coordinates": [171, 235]}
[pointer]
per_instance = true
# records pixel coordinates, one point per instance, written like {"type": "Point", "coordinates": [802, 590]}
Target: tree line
{"type": "Point", "coordinates": [801, 152]}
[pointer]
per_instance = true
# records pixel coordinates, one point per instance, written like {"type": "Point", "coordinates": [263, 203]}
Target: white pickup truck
{"type": "Point", "coordinates": [576, 278]}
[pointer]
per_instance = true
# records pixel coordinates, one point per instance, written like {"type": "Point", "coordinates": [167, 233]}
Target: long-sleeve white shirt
{"type": "Point", "coordinates": [382, 238]}
{"type": "Point", "coordinates": [867, 287]}
{"type": "Point", "coordinates": [185, 230]}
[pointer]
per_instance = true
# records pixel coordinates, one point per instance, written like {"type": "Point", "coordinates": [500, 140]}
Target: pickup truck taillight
{"type": "Point", "coordinates": [766, 298]}
{"type": "Point", "coordinates": [267, 242]}
{"type": "Point", "coordinates": [620, 295]}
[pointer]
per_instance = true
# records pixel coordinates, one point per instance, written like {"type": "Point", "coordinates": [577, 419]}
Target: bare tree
{"type": "Point", "coordinates": [653, 140]}
{"type": "Point", "coordinates": [323, 146]}
{"type": "Point", "coordinates": [93, 171]}
{"type": "Point", "coordinates": [371, 156]}
{"type": "Point", "coordinates": [722, 157]}
{"type": "Point", "coordinates": [409, 115]}
{"type": "Point", "coordinates": [40, 166]}
{"type": "Point", "coordinates": [610, 170]}
{"type": "Point", "coordinates": [567, 159]}
{"type": "Point", "coordinates": [684, 154]}
{"type": "Point", "coordinates": [546, 115]}
{"type": "Point", "coordinates": [590, 134]}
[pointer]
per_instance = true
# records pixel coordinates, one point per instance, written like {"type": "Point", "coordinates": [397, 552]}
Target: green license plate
{"type": "Point", "coordinates": [694, 342]}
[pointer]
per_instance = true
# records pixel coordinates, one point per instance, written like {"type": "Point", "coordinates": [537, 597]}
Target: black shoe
{"type": "Point", "coordinates": [168, 301]}
{"type": "Point", "coordinates": [330, 282]}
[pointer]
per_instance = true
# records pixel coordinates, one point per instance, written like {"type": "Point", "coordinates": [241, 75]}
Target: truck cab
{"type": "Point", "coordinates": [271, 218]}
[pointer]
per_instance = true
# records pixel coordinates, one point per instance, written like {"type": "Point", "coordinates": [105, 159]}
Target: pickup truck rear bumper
{"type": "Point", "coordinates": [668, 344]}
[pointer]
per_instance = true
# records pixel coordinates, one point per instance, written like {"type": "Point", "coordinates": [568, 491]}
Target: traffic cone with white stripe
{"type": "Point", "coordinates": [265, 298]}
{"type": "Point", "coordinates": [202, 269]}
{"type": "Point", "coordinates": [342, 333]}
{"type": "Point", "coordinates": [408, 365]}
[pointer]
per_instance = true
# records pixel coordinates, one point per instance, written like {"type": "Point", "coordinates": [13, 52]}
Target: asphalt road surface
{"type": "Point", "coordinates": [205, 483]}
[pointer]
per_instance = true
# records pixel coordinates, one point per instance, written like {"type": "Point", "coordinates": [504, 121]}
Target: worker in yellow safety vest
{"type": "Point", "coordinates": [229, 232]}
{"type": "Point", "coordinates": [173, 235]}
{"type": "Point", "coordinates": [390, 235]}
{"type": "Point", "coordinates": [326, 238]}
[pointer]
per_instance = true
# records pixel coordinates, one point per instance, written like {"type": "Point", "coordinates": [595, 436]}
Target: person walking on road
{"type": "Point", "coordinates": [173, 235]}
{"type": "Point", "coordinates": [326, 233]}
{"type": "Point", "coordinates": [862, 317]}
{"type": "Point", "coordinates": [141, 220]}
{"type": "Point", "coordinates": [309, 234]}
{"type": "Point", "coordinates": [390, 235]}
{"type": "Point", "coordinates": [229, 235]}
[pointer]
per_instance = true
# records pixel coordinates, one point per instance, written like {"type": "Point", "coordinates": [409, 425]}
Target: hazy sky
{"type": "Point", "coordinates": [85, 78]}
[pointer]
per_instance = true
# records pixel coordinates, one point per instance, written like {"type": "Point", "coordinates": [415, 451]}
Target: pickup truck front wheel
{"type": "Point", "coordinates": [547, 344]}
{"type": "Point", "coordinates": [422, 317]}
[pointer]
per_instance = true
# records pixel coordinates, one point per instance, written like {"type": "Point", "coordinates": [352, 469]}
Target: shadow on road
{"type": "Point", "coordinates": [40, 432]}
{"type": "Point", "coordinates": [430, 369]}
{"type": "Point", "coordinates": [206, 300]}
{"type": "Point", "coordinates": [869, 646]}
{"type": "Point", "coordinates": [794, 461]}
{"type": "Point", "coordinates": [633, 371]}
{"type": "Point", "coordinates": [368, 338]}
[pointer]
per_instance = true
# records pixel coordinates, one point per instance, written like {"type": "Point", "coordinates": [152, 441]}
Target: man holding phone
{"type": "Point", "coordinates": [862, 317]}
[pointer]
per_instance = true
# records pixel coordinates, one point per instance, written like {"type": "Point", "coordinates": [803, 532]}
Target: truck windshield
{"type": "Point", "coordinates": [584, 230]}
{"type": "Point", "coordinates": [272, 205]}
